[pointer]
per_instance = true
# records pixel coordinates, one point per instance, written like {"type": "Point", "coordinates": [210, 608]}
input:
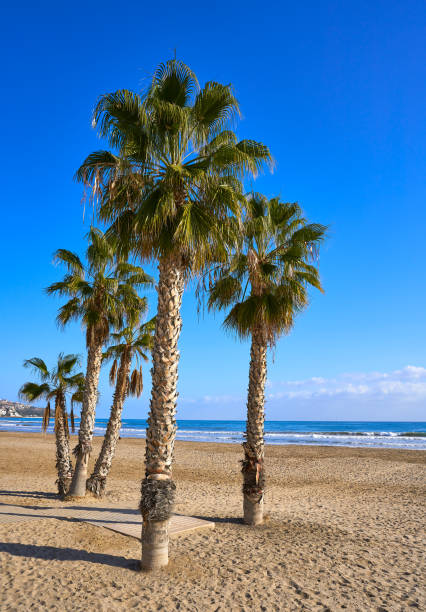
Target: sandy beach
{"type": "Point", "coordinates": [345, 531]}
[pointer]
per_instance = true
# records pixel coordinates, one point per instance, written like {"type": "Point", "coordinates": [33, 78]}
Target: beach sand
{"type": "Point", "coordinates": [345, 531]}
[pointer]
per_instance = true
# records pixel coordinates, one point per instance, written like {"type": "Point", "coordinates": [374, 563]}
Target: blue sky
{"type": "Point", "coordinates": [337, 91]}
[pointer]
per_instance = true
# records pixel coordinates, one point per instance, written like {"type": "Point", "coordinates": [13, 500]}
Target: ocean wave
{"type": "Point", "coordinates": [413, 434]}
{"type": "Point", "coordinates": [275, 432]}
{"type": "Point", "coordinates": [351, 434]}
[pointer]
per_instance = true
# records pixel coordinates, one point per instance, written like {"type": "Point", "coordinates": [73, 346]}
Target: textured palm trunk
{"type": "Point", "coordinates": [158, 487]}
{"type": "Point", "coordinates": [90, 395]}
{"type": "Point", "coordinates": [253, 466]}
{"type": "Point", "coordinates": [96, 482]}
{"type": "Point", "coordinates": [63, 457]}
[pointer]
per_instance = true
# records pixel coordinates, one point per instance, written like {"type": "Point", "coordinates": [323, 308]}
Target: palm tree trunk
{"type": "Point", "coordinates": [96, 482]}
{"type": "Point", "coordinates": [158, 488]}
{"type": "Point", "coordinates": [63, 458]}
{"type": "Point", "coordinates": [253, 467]}
{"type": "Point", "coordinates": [90, 395]}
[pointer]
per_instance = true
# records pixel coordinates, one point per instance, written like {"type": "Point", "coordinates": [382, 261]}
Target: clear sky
{"type": "Point", "coordinates": [337, 91]}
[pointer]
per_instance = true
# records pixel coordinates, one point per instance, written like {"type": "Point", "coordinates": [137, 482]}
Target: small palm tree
{"type": "Point", "coordinates": [266, 284]}
{"type": "Point", "coordinates": [55, 384]}
{"type": "Point", "coordinates": [99, 294]}
{"type": "Point", "coordinates": [169, 190]}
{"type": "Point", "coordinates": [76, 398]}
{"type": "Point", "coordinates": [130, 343]}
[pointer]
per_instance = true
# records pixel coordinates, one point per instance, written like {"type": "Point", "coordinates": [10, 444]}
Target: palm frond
{"type": "Point", "coordinates": [98, 168]}
{"type": "Point", "coordinates": [135, 387]}
{"type": "Point", "coordinates": [119, 117]}
{"type": "Point", "coordinates": [71, 311]}
{"type": "Point", "coordinates": [72, 419]}
{"type": "Point", "coordinates": [31, 391]}
{"type": "Point", "coordinates": [70, 260]}
{"type": "Point", "coordinates": [66, 363]}
{"type": "Point", "coordinates": [224, 292]}
{"type": "Point", "coordinates": [58, 415]}
{"type": "Point", "coordinates": [66, 425]}
{"type": "Point", "coordinates": [113, 372]}
{"type": "Point", "coordinates": [214, 107]}
{"type": "Point", "coordinates": [39, 367]}
{"type": "Point", "coordinates": [311, 235]}
{"type": "Point", "coordinates": [173, 82]}
{"type": "Point", "coordinates": [46, 418]}
{"type": "Point", "coordinates": [100, 251]}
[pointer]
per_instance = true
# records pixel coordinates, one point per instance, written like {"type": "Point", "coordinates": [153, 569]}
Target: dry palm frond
{"type": "Point", "coordinates": [46, 418]}
{"type": "Point", "coordinates": [113, 372]}
{"type": "Point", "coordinates": [158, 498]}
{"type": "Point", "coordinates": [72, 419]}
{"type": "Point", "coordinates": [140, 383]}
{"type": "Point", "coordinates": [136, 382]}
{"type": "Point", "coordinates": [66, 426]}
{"type": "Point", "coordinates": [57, 415]}
{"type": "Point", "coordinates": [133, 382]}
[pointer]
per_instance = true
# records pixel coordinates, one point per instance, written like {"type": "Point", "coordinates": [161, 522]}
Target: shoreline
{"type": "Point", "coordinates": [270, 449]}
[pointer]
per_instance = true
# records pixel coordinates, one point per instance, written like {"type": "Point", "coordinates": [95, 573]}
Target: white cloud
{"type": "Point", "coordinates": [396, 395]}
{"type": "Point", "coordinates": [219, 399]}
{"type": "Point", "coordinates": [409, 383]}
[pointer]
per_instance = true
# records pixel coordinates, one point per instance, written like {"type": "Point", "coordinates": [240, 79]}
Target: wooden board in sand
{"type": "Point", "coordinates": [122, 520]}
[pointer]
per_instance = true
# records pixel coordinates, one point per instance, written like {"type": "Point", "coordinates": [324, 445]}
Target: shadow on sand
{"type": "Point", "coordinates": [69, 519]}
{"type": "Point", "coordinates": [234, 520]}
{"type": "Point", "coordinates": [48, 512]}
{"type": "Point", "coordinates": [51, 553]}
{"type": "Point", "coordinates": [34, 494]}
{"type": "Point", "coordinates": [95, 508]}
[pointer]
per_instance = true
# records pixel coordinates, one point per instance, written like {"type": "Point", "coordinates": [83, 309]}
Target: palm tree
{"type": "Point", "coordinates": [266, 284]}
{"type": "Point", "coordinates": [76, 398]}
{"type": "Point", "coordinates": [131, 342]}
{"type": "Point", "coordinates": [99, 293]}
{"type": "Point", "coordinates": [169, 191]}
{"type": "Point", "coordinates": [55, 384]}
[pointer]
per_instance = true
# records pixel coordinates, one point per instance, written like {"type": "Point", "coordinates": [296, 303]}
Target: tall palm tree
{"type": "Point", "coordinates": [130, 343]}
{"type": "Point", "coordinates": [266, 284]}
{"type": "Point", "coordinates": [55, 384]}
{"type": "Point", "coordinates": [99, 294]}
{"type": "Point", "coordinates": [169, 190]}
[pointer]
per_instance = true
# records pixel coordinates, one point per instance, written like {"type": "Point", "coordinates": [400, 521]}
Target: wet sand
{"type": "Point", "coordinates": [345, 531]}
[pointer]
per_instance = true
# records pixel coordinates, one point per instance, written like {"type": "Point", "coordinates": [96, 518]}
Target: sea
{"type": "Point", "coordinates": [363, 434]}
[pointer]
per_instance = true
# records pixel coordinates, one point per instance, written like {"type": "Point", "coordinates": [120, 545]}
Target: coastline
{"type": "Point", "coordinates": [345, 527]}
{"type": "Point", "coordinates": [361, 434]}
{"type": "Point", "coordinates": [271, 449]}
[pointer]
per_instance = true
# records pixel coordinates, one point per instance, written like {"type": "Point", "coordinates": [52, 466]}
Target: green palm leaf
{"type": "Point", "coordinates": [265, 281]}
{"type": "Point", "coordinates": [174, 178]}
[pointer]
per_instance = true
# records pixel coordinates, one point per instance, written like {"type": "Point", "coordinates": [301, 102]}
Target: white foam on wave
{"type": "Point", "coordinates": [371, 439]}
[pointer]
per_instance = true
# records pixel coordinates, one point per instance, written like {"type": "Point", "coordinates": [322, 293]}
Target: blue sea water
{"type": "Point", "coordinates": [391, 434]}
